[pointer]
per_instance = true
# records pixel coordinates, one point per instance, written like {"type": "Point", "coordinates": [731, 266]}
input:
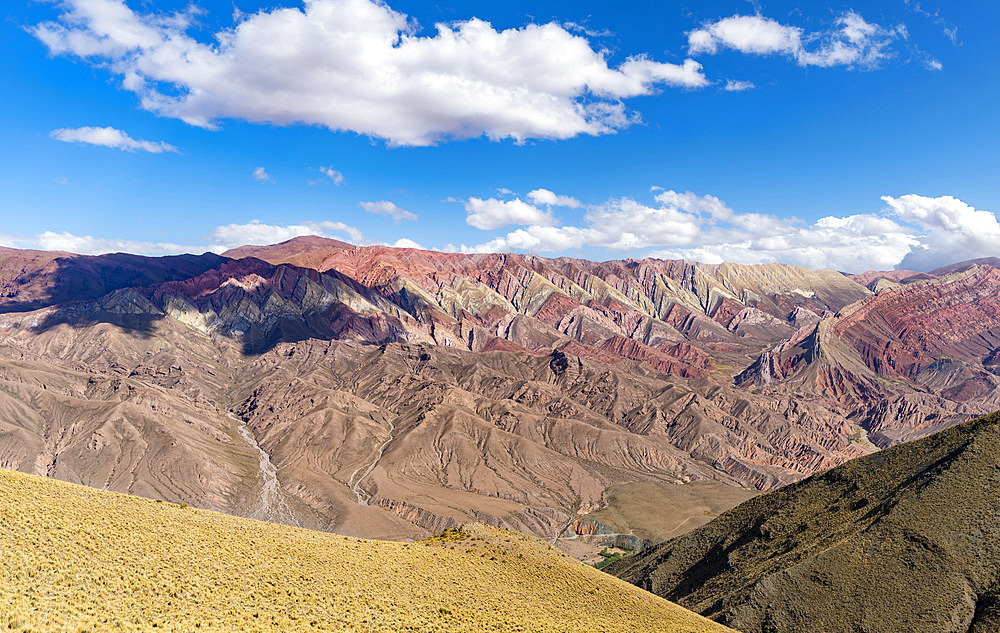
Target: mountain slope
{"type": "Point", "coordinates": [36, 279]}
{"type": "Point", "coordinates": [398, 440]}
{"type": "Point", "coordinates": [904, 362]}
{"type": "Point", "coordinates": [378, 418]}
{"type": "Point", "coordinates": [307, 251]}
{"type": "Point", "coordinates": [74, 558]}
{"type": "Point", "coordinates": [907, 539]}
{"type": "Point", "coordinates": [396, 392]}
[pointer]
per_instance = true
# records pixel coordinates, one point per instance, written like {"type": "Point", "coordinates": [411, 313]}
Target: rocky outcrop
{"type": "Point", "coordinates": [597, 533]}
{"type": "Point", "coordinates": [910, 360]}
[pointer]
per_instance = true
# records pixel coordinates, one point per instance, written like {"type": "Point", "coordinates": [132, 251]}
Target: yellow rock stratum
{"type": "Point", "coordinates": [78, 559]}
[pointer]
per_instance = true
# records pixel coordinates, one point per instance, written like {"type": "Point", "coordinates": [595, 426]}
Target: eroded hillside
{"type": "Point", "coordinates": [395, 392]}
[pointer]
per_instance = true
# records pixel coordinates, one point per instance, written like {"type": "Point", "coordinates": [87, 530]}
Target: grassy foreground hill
{"type": "Point", "coordinates": [907, 539]}
{"type": "Point", "coordinates": [78, 559]}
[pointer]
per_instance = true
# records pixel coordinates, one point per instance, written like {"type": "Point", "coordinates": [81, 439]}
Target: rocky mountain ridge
{"type": "Point", "coordinates": [398, 392]}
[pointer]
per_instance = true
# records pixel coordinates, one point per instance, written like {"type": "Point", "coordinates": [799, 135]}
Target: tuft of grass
{"type": "Point", "coordinates": [78, 559]}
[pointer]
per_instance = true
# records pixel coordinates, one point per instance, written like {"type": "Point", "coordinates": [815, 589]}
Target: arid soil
{"type": "Point", "coordinates": [398, 392]}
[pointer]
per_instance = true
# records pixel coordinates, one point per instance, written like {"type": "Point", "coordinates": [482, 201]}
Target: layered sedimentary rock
{"type": "Point", "coordinates": [395, 392]}
{"type": "Point", "coordinates": [904, 362]}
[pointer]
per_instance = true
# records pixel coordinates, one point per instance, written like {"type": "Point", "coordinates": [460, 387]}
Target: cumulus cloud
{"type": "Point", "coordinates": [950, 230]}
{"type": "Point", "coordinates": [492, 213]}
{"type": "Point", "coordinates": [685, 225]}
{"type": "Point", "coordinates": [406, 243]}
{"type": "Point", "coordinates": [260, 175]}
{"type": "Point", "coordinates": [537, 239]}
{"type": "Point", "coordinates": [693, 203]}
{"type": "Point", "coordinates": [110, 137]}
{"type": "Point", "coordinates": [621, 224]}
{"type": "Point", "coordinates": [90, 245]}
{"type": "Point", "coordinates": [851, 41]}
{"type": "Point", "coordinates": [384, 207]}
{"type": "Point", "coordinates": [221, 239]}
{"type": "Point", "coordinates": [853, 243]}
{"type": "Point", "coordinates": [549, 198]}
{"type": "Point", "coordinates": [256, 232]}
{"type": "Point", "coordinates": [625, 224]}
{"type": "Point", "coordinates": [747, 34]}
{"type": "Point", "coordinates": [360, 66]}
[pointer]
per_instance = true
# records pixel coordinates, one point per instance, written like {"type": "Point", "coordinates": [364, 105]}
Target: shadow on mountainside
{"type": "Point", "coordinates": [31, 280]}
{"type": "Point", "coordinates": [140, 325]}
{"type": "Point", "coordinates": [87, 290]}
{"type": "Point", "coordinates": [336, 322]}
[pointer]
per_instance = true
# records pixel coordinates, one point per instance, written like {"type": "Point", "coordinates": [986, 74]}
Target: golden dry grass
{"type": "Point", "coordinates": [77, 559]}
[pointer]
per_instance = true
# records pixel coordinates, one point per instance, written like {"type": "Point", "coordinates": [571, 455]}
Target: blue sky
{"type": "Point", "coordinates": [848, 135]}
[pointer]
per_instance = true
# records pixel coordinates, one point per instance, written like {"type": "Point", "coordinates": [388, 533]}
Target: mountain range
{"type": "Point", "coordinates": [392, 393]}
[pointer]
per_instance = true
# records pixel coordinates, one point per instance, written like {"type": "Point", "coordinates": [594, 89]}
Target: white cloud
{"type": "Point", "coordinates": [358, 65]}
{"type": "Point", "coordinates": [90, 245]}
{"type": "Point", "coordinates": [625, 224]}
{"type": "Point", "coordinates": [583, 28]}
{"type": "Point", "coordinates": [384, 207]}
{"type": "Point", "coordinates": [406, 243]}
{"type": "Point", "coordinates": [951, 230]}
{"type": "Point", "coordinates": [221, 239]}
{"type": "Point", "coordinates": [912, 232]}
{"type": "Point", "coordinates": [852, 244]}
{"type": "Point", "coordinates": [620, 225]}
{"type": "Point", "coordinates": [549, 198]}
{"type": "Point", "coordinates": [704, 228]}
{"type": "Point", "coordinates": [260, 175]}
{"type": "Point", "coordinates": [693, 203]}
{"type": "Point", "coordinates": [951, 32]}
{"type": "Point", "coordinates": [536, 239]}
{"type": "Point", "coordinates": [850, 42]}
{"type": "Point", "coordinates": [256, 232]}
{"type": "Point", "coordinates": [110, 137]}
{"type": "Point", "coordinates": [747, 34]}
{"type": "Point", "coordinates": [332, 174]}
{"type": "Point", "coordinates": [733, 85]}
{"type": "Point", "coordinates": [491, 213]}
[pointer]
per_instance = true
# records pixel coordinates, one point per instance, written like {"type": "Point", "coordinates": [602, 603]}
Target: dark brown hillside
{"type": "Point", "coordinates": [30, 280]}
{"type": "Point", "coordinates": [907, 539]}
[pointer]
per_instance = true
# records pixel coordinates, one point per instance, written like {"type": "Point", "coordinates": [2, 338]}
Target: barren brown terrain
{"type": "Point", "coordinates": [393, 393]}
